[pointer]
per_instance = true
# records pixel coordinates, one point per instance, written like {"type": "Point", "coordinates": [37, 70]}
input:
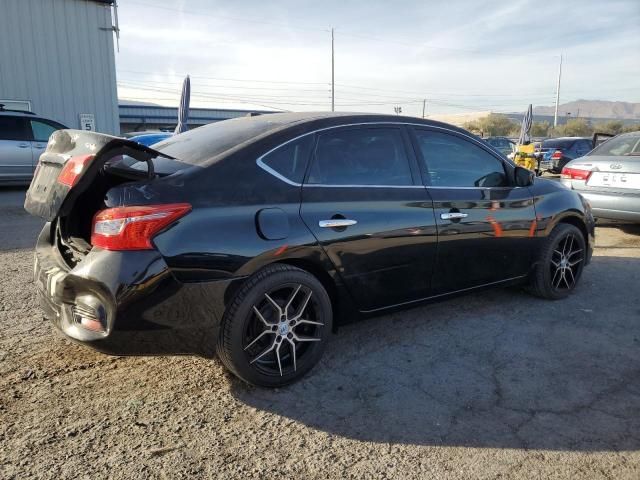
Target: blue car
{"type": "Point", "coordinates": [557, 152]}
{"type": "Point", "coordinates": [148, 139]}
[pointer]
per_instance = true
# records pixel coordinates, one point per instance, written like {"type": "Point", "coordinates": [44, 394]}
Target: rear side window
{"type": "Point", "coordinates": [43, 130]}
{"type": "Point", "coordinates": [451, 161]}
{"type": "Point", "coordinates": [14, 128]}
{"type": "Point", "coordinates": [362, 156]}
{"type": "Point", "coordinates": [290, 160]}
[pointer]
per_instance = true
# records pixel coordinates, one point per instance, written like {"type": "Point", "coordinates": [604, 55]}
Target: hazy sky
{"type": "Point", "coordinates": [461, 55]}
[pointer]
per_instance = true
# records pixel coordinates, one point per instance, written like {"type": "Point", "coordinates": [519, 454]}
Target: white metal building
{"type": "Point", "coordinates": [57, 59]}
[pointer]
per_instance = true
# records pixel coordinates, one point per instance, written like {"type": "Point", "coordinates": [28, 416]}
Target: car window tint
{"type": "Point", "coordinates": [290, 160]}
{"type": "Point", "coordinates": [558, 143]}
{"type": "Point", "coordinates": [41, 130]}
{"type": "Point", "coordinates": [365, 156]}
{"type": "Point", "coordinates": [13, 128]}
{"type": "Point", "coordinates": [451, 161]}
{"type": "Point", "coordinates": [583, 146]}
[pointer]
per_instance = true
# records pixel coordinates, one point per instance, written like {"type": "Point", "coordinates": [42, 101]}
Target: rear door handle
{"type": "Point", "coordinates": [453, 215]}
{"type": "Point", "coordinates": [23, 145]}
{"type": "Point", "coordinates": [336, 223]}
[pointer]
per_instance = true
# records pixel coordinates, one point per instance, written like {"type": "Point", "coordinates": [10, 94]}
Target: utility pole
{"type": "Point", "coordinates": [555, 115]}
{"type": "Point", "coordinates": [333, 77]}
{"type": "Point", "coordinates": [424, 106]}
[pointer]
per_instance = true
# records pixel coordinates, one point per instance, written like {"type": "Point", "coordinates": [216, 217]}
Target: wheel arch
{"type": "Point", "coordinates": [576, 221]}
{"type": "Point", "coordinates": [321, 275]}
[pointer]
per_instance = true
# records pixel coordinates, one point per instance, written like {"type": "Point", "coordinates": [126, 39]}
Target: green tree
{"type": "Point", "coordinates": [492, 125]}
{"type": "Point", "coordinates": [631, 128]}
{"type": "Point", "coordinates": [575, 127]}
{"type": "Point", "coordinates": [612, 126]}
{"type": "Point", "coordinates": [540, 129]}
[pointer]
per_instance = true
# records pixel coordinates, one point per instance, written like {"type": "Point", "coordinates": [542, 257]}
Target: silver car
{"type": "Point", "coordinates": [23, 137]}
{"type": "Point", "coordinates": [609, 177]}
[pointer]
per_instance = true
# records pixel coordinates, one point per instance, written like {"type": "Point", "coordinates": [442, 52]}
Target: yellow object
{"type": "Point", "coordinates": [525, 156]}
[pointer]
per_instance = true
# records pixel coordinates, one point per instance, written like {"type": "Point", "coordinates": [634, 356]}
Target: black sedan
{"type": "Point", "coordinates": [255, 237]}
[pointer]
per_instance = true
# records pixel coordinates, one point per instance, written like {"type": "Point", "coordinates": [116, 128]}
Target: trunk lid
{"type": "Point", "coordinates": [47, 197]}
{"type": "Point", "coordinates": [610, 174]}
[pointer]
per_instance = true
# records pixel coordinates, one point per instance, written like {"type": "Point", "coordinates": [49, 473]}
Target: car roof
{"type": "Point", "coordinates": [288, 119]}
{"type": "Point", "coordinates": [16, 113]}
{"type": "Point", "coordinates": [204, 145]}
{"type": "Point", "coordinates": [569, 138]}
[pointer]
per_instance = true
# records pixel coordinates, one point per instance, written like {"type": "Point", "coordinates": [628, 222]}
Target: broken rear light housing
{"type": "Point", "coordinates": [133, 228]}
{"type": "Point", "coordinates": [72, 170]}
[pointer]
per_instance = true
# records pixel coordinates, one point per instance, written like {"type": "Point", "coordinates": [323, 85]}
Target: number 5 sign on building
{"type": "Point", "coordinates": [88, 122]}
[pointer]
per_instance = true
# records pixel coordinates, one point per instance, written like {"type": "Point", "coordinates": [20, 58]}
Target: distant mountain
{"type": "Point", "coordinates": [594, 109]}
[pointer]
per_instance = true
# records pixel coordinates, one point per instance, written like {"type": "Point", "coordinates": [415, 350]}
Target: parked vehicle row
{"type": "Point", "coordinates": [257, 236]}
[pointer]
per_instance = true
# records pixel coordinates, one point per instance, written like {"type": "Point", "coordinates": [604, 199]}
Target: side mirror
{"type": "Point", "coordinates": [523, 177]}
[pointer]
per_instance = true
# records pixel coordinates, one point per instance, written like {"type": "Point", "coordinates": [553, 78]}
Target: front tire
{"type": "Point", "coordinates": [276, 328]}
{"type": "Point", "coordinates": [560, 263]}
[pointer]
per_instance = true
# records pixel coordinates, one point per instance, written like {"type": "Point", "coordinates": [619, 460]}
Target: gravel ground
{"type": "Point", "coordinates": [494, 384]}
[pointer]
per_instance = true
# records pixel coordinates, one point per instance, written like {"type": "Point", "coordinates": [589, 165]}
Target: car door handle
{"type": "Point", "coordinates": [23, 145]}
{"type": "Point", "coordinates": [336, 223]}
{"type": "Point", "coordinates": [453, 215]}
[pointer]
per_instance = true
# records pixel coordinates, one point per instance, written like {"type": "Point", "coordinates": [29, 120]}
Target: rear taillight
{"type": "Point", "coordinates": [73, 169]}
{"type": "Point", "coordinates": [133, 228]}
{"type": "Point", "coordinates": [575, 174]}
{"type": "Point", "coordinates": [557, 155]}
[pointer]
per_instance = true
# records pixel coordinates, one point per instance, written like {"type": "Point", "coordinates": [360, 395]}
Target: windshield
{"type": "Point", "coordinates": [201, 144]}
{"type": "Point", "coordinates": [499, 142]}
{"type": "Point", "coordinates": [627, 144]}
{"type": "Point", "coordinates": [558, 143]}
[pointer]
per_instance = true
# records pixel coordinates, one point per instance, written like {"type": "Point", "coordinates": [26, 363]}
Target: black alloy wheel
{"type": "Point", "coordinates": [560, 263]}
{"type": "Point", "coordinates": [277, 326]}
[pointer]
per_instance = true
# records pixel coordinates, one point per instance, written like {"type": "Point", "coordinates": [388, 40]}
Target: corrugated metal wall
{"type": "Point", "coordinates": [59, 54]}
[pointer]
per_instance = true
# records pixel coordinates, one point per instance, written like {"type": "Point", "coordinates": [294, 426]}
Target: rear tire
{"type": "Point", "coordinates": [560, 263]}
{"type": "Point", "coordinates": [276, 328]}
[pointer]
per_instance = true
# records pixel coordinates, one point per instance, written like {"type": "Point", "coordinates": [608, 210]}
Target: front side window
{"type": "Point", "coordinates": [13, 128]}
{"type": "Point", "coordinates": [451, 161]}
{"type": "Point", "coordinates": [290, 160]}
{"type": "Point", "coordinates": [362, 156]}
{"type": "Point", "coordinates": [42, 130]}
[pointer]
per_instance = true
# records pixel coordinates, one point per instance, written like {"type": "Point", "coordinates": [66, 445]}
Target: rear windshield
{"type": "Point", "coordinates": [499, 142]}
{"type": "Point", "coordinates": [558, 143]}
{"type": "Point", "coordinates": [628, 144]}
{"type": "Point", "coordinates": [201, 144]}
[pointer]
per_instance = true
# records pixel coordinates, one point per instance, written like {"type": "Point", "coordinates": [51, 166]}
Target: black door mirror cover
{"type": "Point", "coordinates": [523, 177]}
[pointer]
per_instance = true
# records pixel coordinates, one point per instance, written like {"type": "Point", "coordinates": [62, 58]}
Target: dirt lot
{"type": "Point", "coordinates": [494, 384]}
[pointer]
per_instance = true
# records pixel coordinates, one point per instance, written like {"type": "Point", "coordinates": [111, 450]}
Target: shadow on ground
{"type": "Point", "coordinates": [495, 369]}
{"type": "Point", "coordinates": [19, 229]}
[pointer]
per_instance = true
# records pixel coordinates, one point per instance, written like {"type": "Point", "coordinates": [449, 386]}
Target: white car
{"type": "Point", "coordinates": [23, 137]}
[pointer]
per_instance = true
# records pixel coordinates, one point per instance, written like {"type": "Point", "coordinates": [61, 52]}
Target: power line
{"type": "Point", "coordinates": [226, 17]}
{"type": "Point", "coordinates": [217, 85]}
{"type": "Point", "coordinates": [225, 79]}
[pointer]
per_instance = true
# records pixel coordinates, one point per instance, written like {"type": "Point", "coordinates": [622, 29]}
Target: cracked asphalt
{"type": "Point", "coordinates": [495, 384]}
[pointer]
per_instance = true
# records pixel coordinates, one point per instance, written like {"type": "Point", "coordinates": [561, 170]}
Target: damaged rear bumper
{"type": "Point", "coordinates": [127, 303]}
